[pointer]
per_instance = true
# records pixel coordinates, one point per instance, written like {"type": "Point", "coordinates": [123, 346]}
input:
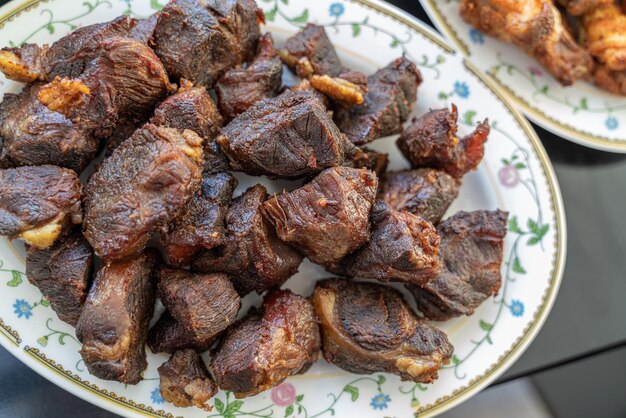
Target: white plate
{"type": "Point", "coordinates": [582, 113]}
{"type": "Point", "coordinates": [515, 176]}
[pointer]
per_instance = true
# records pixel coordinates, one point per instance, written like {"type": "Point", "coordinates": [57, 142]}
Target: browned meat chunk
{"type": "Point", "coordinates": [580, 7]}
{"type": "Point", "coordinates": [240, 88]}
{"type": "Point", "coordinates": [204, 304]}
{"type": "Point", "coordinates": [168, 335]}
{"type": "Point", "coordinates": [391, 94]}
{"type": "Point", "coordinates": [185, 381]}
{"type": "Point", "coordinates": [263, 349]}
{"type": "Point", "coordinates": [363, 157]}
{"type": "Point", "coordinates": [424, 192]}
{"type": "Point", "coordinates": [32, 134]}
{"type": "Point", "coordinates": [140, 188]}
{"type": "Point", "coordinates": [402, 248]}
{"type": "Point", "coordinates": [368, 328]}
{"type": "Point", "coordinates": [431, 141]}
{"type": "Point", "coordinates": [115, 320]}
{"type": "Point", "coordinates": [471, 251]}
{"type": "Point", "coordinates": [38, 203]}
{"type": "Point", "coordinates": [63, 274]}
{"type": "Point", "coordinates": [202, 222]}
{"type": "Point", "coordinates": [327, 218]}
{"type": "Point", "coordinates": [144, 28]}
{"type": "Point", "coordinates": [613, 81]}
{"type": "Point", "coordinates": [290, 136]}
{"type": "Point", "coordinates": [252, 255]}
{"type": "Point", "coordinates": [200, 40]}
{"type": "Point", "coordinates": [24, 64]}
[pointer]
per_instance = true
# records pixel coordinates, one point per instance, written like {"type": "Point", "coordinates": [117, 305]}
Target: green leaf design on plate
{"type": "Point", "coordinates": [394, 43]}
{"type": "Point", "coordinates": [234, 407]}
{"type": "Point", "coordinates": [289, 410]}
{"type": "Point", "coordinates": [303, 18]}
{"type": "Point", "coordinates": [514, 227]}
{"type": "Point", "coordinates": [44, 302]}
{"type": "Point", "coordinates": [299, 398]}
{"type": "Point", "coordinates": [468, 117]}
{"type": "Point", "coordinates": [271, 15]}
{"type": "Point", "coordinates": [517, 266]}
{"type": "Point", "coordinates": [455, 359]}
{"type": "Point", "coordinates": [16, 279]}
{"type": "Point", "coordinates": [219, 405]}
{"type": "Point", "coordinates": [381, 379]}
{"type": "Point", "coordinates": [353, 391]}
{"type": "Point", "coordinates": [356, 30]}
{"type": "Point", "coordinates": [485, 326]}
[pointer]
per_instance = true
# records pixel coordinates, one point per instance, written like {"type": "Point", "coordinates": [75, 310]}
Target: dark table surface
{"type": "Point", "coordinates": [588, 317]}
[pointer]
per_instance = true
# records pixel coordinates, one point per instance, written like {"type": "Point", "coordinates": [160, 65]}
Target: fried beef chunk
{"type": "Point", "coordinates": [113, 327]}
{"type": "Point", "coordinates": [63, 274]}
{"type": "Point", "coordinates": [424, 192]}
{"type": "Point", "coordinates": [185, 381]}
{"type": "Point", "coordinates": [252, 255]}
{"type": "Point", "coordinates": [168, 335]}
{"type": "Point", "coordinates": [200, 40]}
{"type": "Point", "coordinates": [368, 328]}
{"type": "Point", "coordinates": [39, 203]}
{"type": "Point", "coordinates": [391, 94]}
{"type": "Point", "coordinates": [203, 304]}
{"type": "Point", "coordinates": [613, 81]}
{"type": "Point", "coordinates": [431, 141]}
{"type": "Point", "coordinates": [363, 157]}
{"type": "Point", "coordinates": [32, 134]}
{"type": "Point", "coordinates": [192, 108]}
{"type": "Point", "coordinates": [142, 187]}
{"type": "Point", "coordinates": [263, 349]}
{"type": "Point", "coordinates": [202, 222]}
{"type": "Point", "coordinates": [402, 248]}
{"type": "Point", "coordinates": [471, 251]}
{"type": "Point", "coordinates": [290, 136]}
{"type": "Point", "coordinates": [327, 218]}
{"type": "Point", "coordinates": [240, 88]}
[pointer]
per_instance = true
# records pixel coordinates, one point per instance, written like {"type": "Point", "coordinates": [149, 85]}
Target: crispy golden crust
{"type": "Point", "coordinates": [604, 35]}
{"type": "Point", "coordinates": [613, 81]}
{"type": "Point", "coordinates": [63, 94]}
{"type": "Point", "coordinates": [14, 68]}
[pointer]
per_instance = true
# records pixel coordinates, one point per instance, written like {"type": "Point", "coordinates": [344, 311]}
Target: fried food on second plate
{"type": "Point", "coordinates": [536, 26]}
{"type": "Point", "coordinates": [604, 35]}
{"type": "Point", "coordinates": [580, 7]}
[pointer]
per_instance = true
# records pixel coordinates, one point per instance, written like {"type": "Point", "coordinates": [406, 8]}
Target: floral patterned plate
{"type": "Point", "coordinates": [515, 176]}
{"type": "Point", "coordinates": [582, 113]}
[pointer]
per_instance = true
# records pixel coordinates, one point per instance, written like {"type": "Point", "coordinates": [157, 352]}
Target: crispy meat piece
{"type": "Point", "coordinates": [424, 192]}
{"type": "Point", "coordinates": [368, 328]}
{"type": "Point", "coordinates": [204, 304]}
{"type": "Point", "coordinates": [39, 203]}
{"type": "Point", "coordinates": [263, 349]}
{"type": "Point", "coordinates": [31, 134]}
{"type": "Point", "coordinates": [23, 64]}
{"type": "Point", "coordinates": [202, 222]}
{"type": "Point", "coordinates": [327, 218]}
{"type": "Point", "coordinates": [402, 248]}
{"type": "Point", "coordinates": [580, 7]}
{"type": "Point", "coordinates": [142, 187]}
{"type": "Point", "coordinates": [252, 255]}
{"type": "Point", "coordinates": [200, 40]}
{"type": "Point", "coordinates": [185, 381]}
{"type": "Point", "coordinates": [391, 95]}
{"type": "Point", "coordinates": [113, 327]}
{"type": "Point", "coordinates": [63, 274]}
{"type": "Point", "coordinates": [290, 136]}
{"type": "Point", "coordinates": [168, 336]}
{"type": "Point", "coordinates": [535, 26]}
{"type": "Point", "coordinates": [240, 88]}
{"type": "Point", "coordinates": [604, 35]}
{"type": "Point", "coordinates": [471, 251]}
{"type": "Point", "coordinates": [613, 81]}
{"type": "Point", "coordinates": [431, 141]}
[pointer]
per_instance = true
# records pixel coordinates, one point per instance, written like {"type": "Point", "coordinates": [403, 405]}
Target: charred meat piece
{"type": "Point", "coordinates": [471, 251]}
{"type": "Point", "coordinates": [168, 336]}
{"type": "Point", "coordinates": [200, 40]}
{"type": "Point", "coordinates": [39, 203]}
{"type": "Point", "coordinates": [368, 328]}
{"type": "Point", "coordinates": [424, 192]}
{"type": "Point", "coordinates": [290, 136]}
{"type": "Point", "coordinates": [431, 141]}
{"type": "Point", "coordinates": [113, 327]}
{"type": "Point", "coordinates": [142, 187]}
{"type": "Point", "coordinates": [192, 108]}
{"type": "Point", "coordinates": [144, 28]}
{"type": "Point", "coordinates": [263, 349]}
{"type": "Point", "coordinates": [185, 380]}
{"type": "Point", "coordinates": [240, 88]}
{"type": "Point", "coordinates": [327, 218]}
{"type": "Point", "coordinates": [63, 274]}
{"type": "Point", "coordinates": [32, 134]}
{"type": "Point", "coordinates": [402, 248]}
{"type": "Point", "coordinates": [204, 304]}
{"type": "Point", "coordinates": [202, 222]}
{"type": "Point", "coordinates": [252, 255]}
{"type": "Point", "coordinates": [391, 95]}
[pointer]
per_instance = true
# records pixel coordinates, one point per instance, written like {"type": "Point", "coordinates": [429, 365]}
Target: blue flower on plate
{"type": "Point", "coordinates": [517, 308]}
{"type": "Point", "coordinates": [476, 36]}
{"type": "Point", "coordinates": [611, 123]}
{"type": "Point", "coordinates": [380, 401]}
{"type": "Point", "coordinates": [156, 396]}
{"type": "Point", "coordinates": [336, 9]}
{"type": "Point", "coordinates": [22, 308]}
{"type": "Point", "coordinates": [461, 89]}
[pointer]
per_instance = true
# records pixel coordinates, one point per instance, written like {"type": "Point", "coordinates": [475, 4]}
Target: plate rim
{"type": "Point", "coordinates": [561, 129]}
{"type": "Point", "coordinates": [85, 390]}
